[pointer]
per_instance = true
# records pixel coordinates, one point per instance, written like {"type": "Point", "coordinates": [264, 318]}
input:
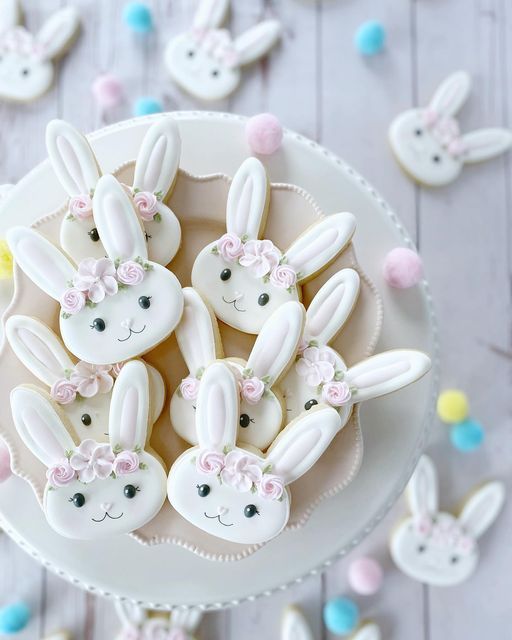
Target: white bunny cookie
{"type": "Point", "coordinates": [206, 61]}
{"type": "Point", "coordinates": [112, 309]}
{"type": "Point", "coordinates": [95, 490]}
{"type": "Point", "coordinates": [240, 494]}
{"type": "Point", "coordinates": [83, 391]}
{"type": "Point", "coordinates": [245, 279]}
{"type": "Point", "coordinates": [139, 624]}
{"type": "Point", "coordinates": [261, 404]}
{"type": "Point", "coordinates": [436, 547]}
{"type": "Point", "coordinates": [156, 168]}
{"type": "Point", "coordinates": [428, 144]}
{"type": "Point", "coordinates": [320, 375]}
{"type": "Point", "coordinates": [27, 68]}
{"type": "Point", "coordinates": [294, 626]}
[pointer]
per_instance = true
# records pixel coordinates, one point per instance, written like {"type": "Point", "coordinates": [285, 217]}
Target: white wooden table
{"type": "Point", "coordinates": [316, 84]}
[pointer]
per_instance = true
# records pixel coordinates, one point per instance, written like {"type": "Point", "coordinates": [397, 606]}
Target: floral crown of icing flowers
{"type": "Point", "coordinates": [94, 280]}
{"type": "Point", "coordinates": [446, 131]}
{"type": "Point", "coordinates": [241, 471]}
{"type": "Point", "coordinates": [83, 381]}
{"type": "Point", "coordinates": [261, 257]}
{"type": "Point", "coordinates": [251, 388]}
{"type": "Point", "coordinates": [218, 43]}
{"type": "Point", "coordinates": [445, 535]}
{"type": "Point", "coordinates": [92, 460]}
{"type": "Point", "coordinates": [317, 365]}
{"type": "Point", "coordinates": [146, 203]}
{"type": "Point", "coordinates": [20, 40]}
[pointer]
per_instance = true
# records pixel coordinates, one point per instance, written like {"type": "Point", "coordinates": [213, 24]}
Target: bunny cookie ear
{"type": "Point", "coordinates": [38, 348]}
{"type": "Point", "coordinates": [217, 408]}
{"type": "Point", "coordinates": [40, 426]}
{"type": "Point", "coordinates": [187, 620]}
{"type": "Point", "coordinates": [116, 220]}
{"type": "Point", "coordinates": [58, 31]}
{"type": "Point", "coordinates": [248, 200]}
{"type": "Point", "coordinates": [41, 261]}
{"type": "Point", "coordinates": [130, 613]}
{"type": "Point", "coordinates": [302, 442]}
{"type": "Point", "coordinates": [331, 307]}
{"type": "Point", "coordinates": [257, 41]}
{"type": "Point", "coordinates": [10, 15]}
{"type": "Point", "coordinates": [320, 244]}
{"type": "Point", "coordinates": [485, 144]}
{"type": "Point", "coordinates": [197, 333]}
{"type": "Point", "coordinates": [210, 14]}
{"type": "Point", "coordinates": [451, 94]}
{"type": "Point", "coordinates": [129, 409]}
{"type": "Point", "coordinates": [386, 372]}
{"type": "Point", "coordinates": [72, 158]}
{"type": "Point", "coordinates": [294, 625]}
{"type": "Point", "coordinates": [422, 491]}
{"type": "Point", "coordinates": [278, 341]}
{"type": "Point", "coordinates": [482, 508]}
{"type": "Point", "coordinates": [368, 631]}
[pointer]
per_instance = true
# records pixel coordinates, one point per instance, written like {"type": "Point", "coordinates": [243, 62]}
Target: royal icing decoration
{"type": "Point", "coordinates": [245, 278]}
{"type": "Point", "coordinates": [86, 380]}
{"type": "Point", "coordinates": [233, 493]}
{"type": "Point", "coordinates": [206, 61]}
{"type": "Point", "coordinates": [433, 546]}
{"type": "Point", "coordinates": [27, 69]}
{"type": "Point", "coordinates": [428, 142]}
{"type": "Point", "coordinates": [138, 624]}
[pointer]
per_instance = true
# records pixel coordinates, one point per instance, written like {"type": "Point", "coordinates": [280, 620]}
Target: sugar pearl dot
{"type": "Point", "coordinates": [264, 133]}
{"type": "Point", "coordinates": [137, 16]}
{"type": "Point", "coordinates": [5, 461]}
{"type": "Point", "coordinates": [402, 268]}
{"type": "Point", "coordinates": [467, 435]}
{"type": "Point", "coordinates": [452, 406]}
{"type": "Point", "coordinates": [107, 90]}
{"type": "Point", "coordinates": [341, 616]}
{"type": "Point", "coordinates": [14, 618]}
{"type": "Point", "coordinates": [370, 38]}
{"type": "Point", "coordinates": [147, 106]}
{"type": "Point", "coordinates": [365, 576]}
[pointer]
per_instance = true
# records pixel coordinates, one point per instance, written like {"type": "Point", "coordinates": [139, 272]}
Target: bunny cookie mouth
{"type": "Point", "coordinates": [107, 515]}
{"type": "Point", "coordinates": [130, 334]}
{"type": "Point", "coordinates": [218, 518]}
{"type": "Point", "coordinates": [233, 302]}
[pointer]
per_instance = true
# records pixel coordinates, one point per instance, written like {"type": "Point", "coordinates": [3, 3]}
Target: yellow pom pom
{"type": "Point", "coordinates": [5, 261]}
{"type": "Point", "coordinates": [452, 406]}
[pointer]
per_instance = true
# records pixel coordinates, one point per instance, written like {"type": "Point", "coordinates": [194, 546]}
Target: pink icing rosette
{"type": "Point", "coordinates": [130, 273]}
{"type": "Point", "coordinates": [336, 393]}
{"type": "Point", "coordinates": [316, 366]}
{"type": "Point", "coordinates": [252, 389]}
{"type": "Point", "coordinates": [230, 247]}
{"type": "Point", "coordinates": [189, 388]}
{"type": "Point", "coordinates": [126, 462]}
{"type": "Point", "coordinates": [283, 276]}
{"type": "Point", "coordinates": [147, 205]}
{"type": "Point", "coordinates": [72, 301]}
{"type": "Point", "coordinates": [241, 471]}
{"type": "Point", "coordinates": [80, 206]}
{"type": "Point", "coordinates": [96, 278]}
{"type": "Point", "coordinates": [260, 256]}
{"type": "Point", "coordinates": [270, 487]}
{"type": "Point", "coordinates": [91, 379]}
{"type": "Point", "coordinates": [92, 460]}
{"type": "Point", "coordinates": [210, 462]}
{"type": "Point", "coordinates": [60, 474]}
{"type": "Point", "coordinates": [63, 391]}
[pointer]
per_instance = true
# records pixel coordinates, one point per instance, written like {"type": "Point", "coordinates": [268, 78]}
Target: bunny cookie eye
{"type": "Point", "coordinates": [94, 235]}
{"type": "Point", "coordinates": [421, 548]}
{"type": "Point", "coordinates": [191, 53]}
{"type": "Point", "coordinates": [225, 274]}
{"type": "Point", "coordinates": [418, 132]}
{"type": "Point", "coordinates": [130, 491]}
{"type": "Point", "coordinates": [203, 490]}
{"type": "Point", "coordinates": [310, 403]}
{"type": "Point", "coordinates": [454, 559]}
{"type": "Point", "coordinates": [251, 510]}
{"type": "Point", "coordinates": [215, 73]}
{"type": "Point", "coordinates": [25, 72]}
{"type": "Point", "coordinates": [78, 500]}
{"type": "Point", "coordinates": [263, 299]}
{"type": "Point", "coordinates": [245, 420]}
{"type": "Point", "coordinates": [98, 324]}
{"type": "Point", "coordinates": [436, 159]}
{"type": "Point", "coordinates": [145, 302]}
{"type": "Point", "coordinates": [86, 419]}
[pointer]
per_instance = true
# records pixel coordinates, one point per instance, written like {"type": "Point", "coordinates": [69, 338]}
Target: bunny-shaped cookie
{"type": "Point", "coordinates": [95, 490]}
{"type": "Point", "coordinates": [78, 171]}
{"type": "Point", "coordinates": [239, 494]}
{"type": "Point", "coordinates": [83, 391]}
{"type": "Point", "coordinates": [436, 547]}
{"type": "Point", "coordinates": [138, 624]}
{"type": "Point", "coordinates": [261, 406]}
{"type": "Point", "coordinates": [206, 61]}
{"type": "Point", "coordinates": [294, 626]}
{"type": "Point", "coordinates": [320, 375]}
{"type": "Point", "coordinates": [245, 279]}
{"type": "Point", "coordinates": [428, 144]}
{"type": "Point", "coordinates": [27, 68]}
{"type": "Point", "coordinates": [112, 309]}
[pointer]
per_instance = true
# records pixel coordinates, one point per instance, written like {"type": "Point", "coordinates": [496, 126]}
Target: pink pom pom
{"type": "Point", "coordinates": [402, 268]}
{"type": "Point", "coordinates": [5, 461]}
{"type": "Point", "coordinates": [365, 576]}
{"type": "Point", "coordinates": [107, 91]}
{"type": "Point", "coordinates": [264, 133]}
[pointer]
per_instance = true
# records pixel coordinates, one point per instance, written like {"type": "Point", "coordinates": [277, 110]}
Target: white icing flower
{"type": "Point", "coordinates": [96, 278]}
{"type": "Point", "coordinates": [260, 256]}
{"type": "Point", "coordinates": [316, 366]}
{"type": "Point", "coordinates": [91, 379]}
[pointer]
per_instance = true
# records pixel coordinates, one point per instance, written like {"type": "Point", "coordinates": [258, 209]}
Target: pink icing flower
{"type": "Point", "coordinates": [158, 629]}
{"type": "Point", "coordinates": [260, 256]}
{"type": "Point", "coordinates": [91, 379]}
{"type": "Point", "coordinates": [230, 247]}
{"type": "Point", "coordinates": [283, 276]}
{"type": "Point", "coordinates": [116, 368]}
{"type": "Point", "coordinates": [252, 389]}
{"type": "Point", "coordinates": [271, 487]}
{"type": "Point", "coordinates": [96, 278]}
{"type": "Point", "coordinates": [130, 272]}
{"type": "Point", "coordinates": [147, 204]}
{"type": "Point", "coordinates": [316, 366]}
{"type": "Point", "coordinates": [189, 388]}
{"type": "Point", "coordinates": [81, 206]}
{"type": "Point", "coordinates": [336, 393]}
{"type": "Point", "coordinates": [210, 462]}
{"type": "Point", "coordinates": [241, 471]}
{"type": "Point", "coordinates": [92, 460]}
{"type": "Point", "coordinates": [63, 391]}
{"type": "Point", "coordinates": [72, 301]}
{"type": "Point", "coordinates": [60, 474]}
{"type": "Point", "coordinates": [126, 462]}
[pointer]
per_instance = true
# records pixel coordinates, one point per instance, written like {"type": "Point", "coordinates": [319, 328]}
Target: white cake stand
{"type": "Point", "coordinates": [394, 427]}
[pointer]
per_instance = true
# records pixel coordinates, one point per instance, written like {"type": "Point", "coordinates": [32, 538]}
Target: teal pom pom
{"type": "Point", "coordinates": [341, 616]}
{"type": "Point", "coordinates": [147, 106]}
{"type": "Point", "coordinates": [14, 618]}
{"type": "Point", "coordinates": [370, 38]}
{"type": "Point", "coordinates": [467, 435]}
{"type": "Point", "coordinates": [137, 16]}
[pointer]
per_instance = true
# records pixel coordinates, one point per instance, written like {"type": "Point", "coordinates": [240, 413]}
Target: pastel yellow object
{"type": "Point", "coordinates": [5, 261]}
{"type": "Point", "coordinates": [452, 406]}
{"type": "Point", "coordinates": [60, 635]}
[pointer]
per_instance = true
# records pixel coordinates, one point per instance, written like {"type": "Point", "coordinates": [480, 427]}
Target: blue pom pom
{"type": "Point", "coordinates": [341, 616]}
{"type": "Point", "coordinates": [467, 435]}
{"type": "Point", "coordinates": [370, 38]}
{"type": "Point", "coordinates": [138, 17]}
{"type": "Point", "coordinates": [14, 617]}
{"type": "Point", "coordinates": [147, 106]}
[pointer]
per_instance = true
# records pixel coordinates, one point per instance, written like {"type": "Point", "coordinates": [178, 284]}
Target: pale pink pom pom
{"type": "Point", "coordinates": [5, 461]}
{"type": "Point", "coordinates": [402, 268]}
{"type": "Point", "coordinates": [264, 133]}
{"type": "Point", "coordinates": [107, 90]}
{"type": "Point", "coordinates": [365, 576]}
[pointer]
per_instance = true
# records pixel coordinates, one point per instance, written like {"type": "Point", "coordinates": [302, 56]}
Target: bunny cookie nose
{"type": "Point", "coordinates": [221, 511]}
{"type": "Point", "coordinates": [127, 323]}
{"type": "Point", "coordinates": [106, 506]}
